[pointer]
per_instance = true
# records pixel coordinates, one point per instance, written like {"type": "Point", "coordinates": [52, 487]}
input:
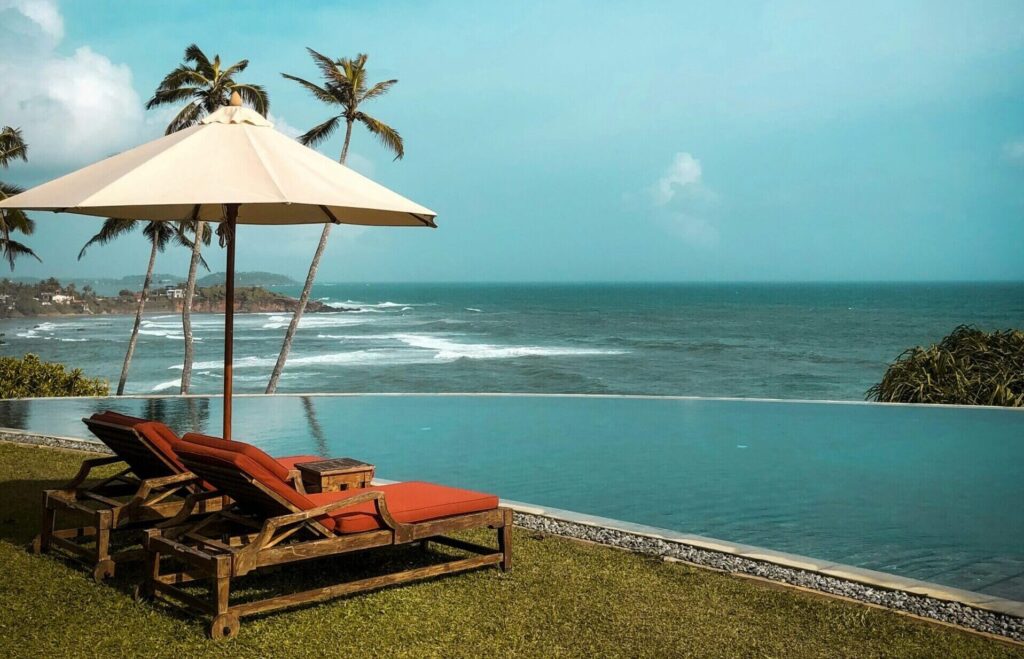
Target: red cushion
{"type": "Point", "coordinates": [277, 466]}
{"type": "Point", "coordinates": [109, 416]}
{"type": "Point", "coordinates": [409, 502]}
{"type": "Point", "coordinates": [163, 439]}
{"type": "Point", "coordinates": [241, 461]}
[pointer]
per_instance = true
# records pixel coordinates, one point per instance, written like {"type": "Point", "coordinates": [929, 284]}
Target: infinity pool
{"type": "Point", "coordinates": [932, 493]}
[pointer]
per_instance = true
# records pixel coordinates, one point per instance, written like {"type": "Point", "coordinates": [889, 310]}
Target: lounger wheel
{"type": "Point", "coordinates": [224, 625]}
{"type": "Point", "coordinates": [37, 545]}
{"type": "Point", "coordinates": [103, 570]}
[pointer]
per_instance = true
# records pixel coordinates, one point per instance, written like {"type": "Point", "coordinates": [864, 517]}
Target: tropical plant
{"type": "Point", "coordinates": [203, 85]}
{"type": "Point", "coordinates": [159, 234]}
{"type": "Point", "coordinates": [32, 378]}
{"type": "Point", "coordinates": [345, 88]}
{"type": "Point", "coordinates": [13, 147]}
{"type": "Point", "coordinates": [968, 367]}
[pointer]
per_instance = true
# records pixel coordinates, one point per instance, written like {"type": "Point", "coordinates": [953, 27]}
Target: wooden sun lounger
{"type": "Point", "coordinates": [149, 488]}
{"type": "Point", "coordinates": [272, 524]}
{"type": "Point", "coordinates": [153, 487]}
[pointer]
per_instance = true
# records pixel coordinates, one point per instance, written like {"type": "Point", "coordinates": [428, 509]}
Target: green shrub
{"type": "Point", "coordinates": [31, 378]}
{"type": "Point", "coordinates": [968, 367]}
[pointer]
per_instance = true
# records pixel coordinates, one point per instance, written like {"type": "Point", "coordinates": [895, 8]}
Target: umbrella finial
{"type": "Point", "coordinates": [236, 99]}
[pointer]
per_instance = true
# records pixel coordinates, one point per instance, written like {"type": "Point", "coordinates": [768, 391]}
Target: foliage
{"type": "Point", "coordinates": [160, 233]}
{"type": "Point", "coordinates": [12, 147]}
{"type": "Point", "coordinates": [345, 86]}
{"type": "Point", "coordinates": [31, 378]}
{"type": "Point", "coordinates": [968, 367]}
{"type": "Point", "coordinates": [204, 85]}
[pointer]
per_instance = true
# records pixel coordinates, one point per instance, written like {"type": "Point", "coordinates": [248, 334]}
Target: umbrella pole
{"type": "Point", "coordinates": [229, 315]}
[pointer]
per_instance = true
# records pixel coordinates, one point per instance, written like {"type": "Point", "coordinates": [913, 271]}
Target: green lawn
{"type": "Point", "coordinates": [562, 598]}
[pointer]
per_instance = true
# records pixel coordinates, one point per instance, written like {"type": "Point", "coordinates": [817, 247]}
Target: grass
{"type": "Point", "coordinates": [562, 598]}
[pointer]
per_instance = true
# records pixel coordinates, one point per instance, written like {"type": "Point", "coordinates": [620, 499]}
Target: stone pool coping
{"type": "Point", "coordinates": [991, 614]}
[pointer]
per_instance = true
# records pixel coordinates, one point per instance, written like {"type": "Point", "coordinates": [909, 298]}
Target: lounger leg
{"type": "Point", "coordinates": [147, 589]}
{"type": "Point", "coordinates": [505, 542]}
{"type": "Point", "coordinates": [104, 564]}
{"type": "Point", "coordinates": [225, 624]}
{"type": "Point", "coordinates": [42, 541]}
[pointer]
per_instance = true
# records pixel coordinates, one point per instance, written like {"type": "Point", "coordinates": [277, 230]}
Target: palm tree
{"type": "Point", "coordinates": [159, 235]}
{"type": "Point", "coordinates": [12, 147]}
{"type": "Point", "coordinates": [345, 88]}
{"type": "Point", "coordinates": [201, 235]}
{"type": "Point", "coordinates": [203, 85]}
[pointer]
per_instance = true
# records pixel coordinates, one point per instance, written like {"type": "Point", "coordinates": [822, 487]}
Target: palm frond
{"type": "Point", "coordinates": [186, 117]}
{"type": "Point", "coordinates": [183, 76]}
{"type": "Point", "coordinates": [12, 145]}
{"type": "Point", "coordinates": [237, 67]}
{"type": "Point", "coordinates": [387, 135]}
{"type": "Point", "coordinates": [15, 219]}
{"type": "Point", "coordinates": [323, 94]}
{"type": "Point", "coordinates": [194, 53]}
{"type": "Point", "coordinates": [317, 134]}
{"type": "Point", "coordinates": [328, 67]}
{"type": "Point", "coordinates": [378, 89]}
{"type": "Point", "coordinates": [112, 229]}
{"type": "Point", "coordinates": [12, 249]}
{"type": "Point", "coordinates": [169, 96]}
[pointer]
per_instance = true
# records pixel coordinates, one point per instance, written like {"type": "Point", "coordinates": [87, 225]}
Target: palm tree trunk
{"type": "Point", "coordinates": [307, 288]}
{"type": "Point", "coordinates": [186, 309]}
{"type": "Point", "coordinates": [143, 296]}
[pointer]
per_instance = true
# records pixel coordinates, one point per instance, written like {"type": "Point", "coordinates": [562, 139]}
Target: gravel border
{"type": "Point", "coordinates": [954, 613]}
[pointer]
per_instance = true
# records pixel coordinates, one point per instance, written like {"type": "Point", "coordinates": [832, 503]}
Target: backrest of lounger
{"type": "Point", "coordinates": [233, 473]}
{"type": "Point", "coordinates": [250, 451]}
{"type": "Point", "coordinates": [118, 432]}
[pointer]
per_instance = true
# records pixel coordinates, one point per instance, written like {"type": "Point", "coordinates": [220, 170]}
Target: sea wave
{"type": "Point", "coordinates": [446, 350]}
{"type": "Point", "coordinates": [314, 321]}
{"type": "Point", "coordinates": [170, 384]}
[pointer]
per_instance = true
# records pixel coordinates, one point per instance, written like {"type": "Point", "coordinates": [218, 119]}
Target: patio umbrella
{"type": "Point", "coordinates": [232, 168]}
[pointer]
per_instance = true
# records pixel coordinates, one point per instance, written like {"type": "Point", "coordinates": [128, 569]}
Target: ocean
{"type": "Point", "coordinates": [791, 341]}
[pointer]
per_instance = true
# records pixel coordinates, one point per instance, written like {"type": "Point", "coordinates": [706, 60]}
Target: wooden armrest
{"type": "Point", "coordinates": [158, 484]}
{"type": "Point", "coordinates": [87, 466]}
{"type": "Point", "coordinates": [187, 508]}
{"type": "Point", "coordinates": [295, 478]}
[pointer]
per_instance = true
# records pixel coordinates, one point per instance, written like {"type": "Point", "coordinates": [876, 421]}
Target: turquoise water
{"type": "Point", "coordinates": [932, 493]}
{"type": "Point", "coordinates": [817, 341]}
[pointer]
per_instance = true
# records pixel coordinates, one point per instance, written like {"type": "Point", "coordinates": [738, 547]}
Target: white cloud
{"type": "Point", "coordinates": [71, 109]}
{"type": "Point", "coordinates": [1014, 150]}
{"type": "Point", "coordinates": [683, 205]}
{"type": "Point", "coordinates": [685, 171]}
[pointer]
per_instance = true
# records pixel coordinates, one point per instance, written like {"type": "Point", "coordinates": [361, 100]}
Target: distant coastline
{"type": "Point", "coordinates": [50, 298]}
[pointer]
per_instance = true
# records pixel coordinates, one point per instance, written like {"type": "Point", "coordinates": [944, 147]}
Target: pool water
{"type": "Point", "coordinates": [927, 492]}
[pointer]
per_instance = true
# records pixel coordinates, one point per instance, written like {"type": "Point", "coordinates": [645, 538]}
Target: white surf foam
{"type": "Point", "coordinates": [314, 321]}
{"type": "Point", "coordinates": [450, 351]}
{"type": "Point", "coordinates": [170, 384]}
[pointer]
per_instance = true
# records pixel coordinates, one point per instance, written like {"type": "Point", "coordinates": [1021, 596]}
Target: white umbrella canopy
{"type": "Point", "coordinates": [234, 156]}
{"type": "Point", "coordinates": [234, 168]}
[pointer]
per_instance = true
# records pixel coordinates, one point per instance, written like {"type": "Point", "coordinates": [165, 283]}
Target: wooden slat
{"type": "Point", "coordinates": [373, 583]}
{"type": "Point", "coordinates": [462, 544]}
{"type": "Point", "coordinates": [424, 530]}
{"type": "Point", "coordinates": [326, 547]}
{"type": "Point", "coordinates": [67, 545]}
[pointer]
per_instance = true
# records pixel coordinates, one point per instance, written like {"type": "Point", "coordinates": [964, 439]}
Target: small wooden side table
{"type": "Point", "coordinates": [335, 474]}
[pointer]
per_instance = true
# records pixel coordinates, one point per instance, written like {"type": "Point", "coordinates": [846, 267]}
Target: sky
{"type": "Point", "coordinates": [578, 141]}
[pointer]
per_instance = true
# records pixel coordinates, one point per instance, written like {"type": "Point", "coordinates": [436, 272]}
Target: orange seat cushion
{"type": "Point", "coordinates": [257, 470]}
{"type": "Point", "coordinates": [409, 502]}
{"type": "Point", "coordinates": [277, 466]}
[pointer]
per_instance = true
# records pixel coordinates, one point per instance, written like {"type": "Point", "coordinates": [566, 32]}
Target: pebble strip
{"type": "Point", "coordinates": [927, 607]}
